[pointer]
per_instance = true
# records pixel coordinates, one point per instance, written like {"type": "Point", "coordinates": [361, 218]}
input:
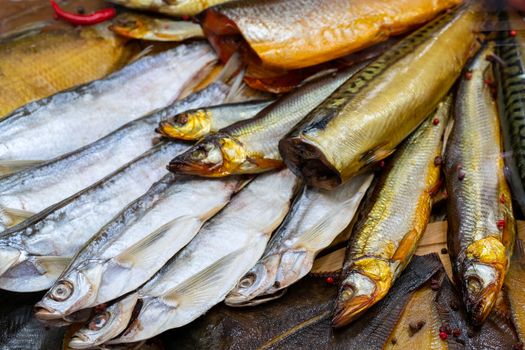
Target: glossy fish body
{"type": "Point", "coordinates": [196, 123]}
{"type": "Point", "coordinates": [202, 273]}
{"type": "Point", "coordinates": [250, 146]}
{"type": "Point", "coordinates": [511, 77]}
{"type": "Point", "coordinates": [481, 225]}
{"type": "Point", "coordinates": [39, 65]}
{"type": "Point", "coordinates": [72, 119]}
{"type": "Point", "coordinates": [36, 252]}
{"type": "Point", "coordinates": [132, 25]}
{"type": "Point", "coordinates": [314, 221]}
{"type": "Point", "coordinates": [135, 244]}
{"type": "Point", "coordinates": [314, 31]}
{"type": "Point", "coordinates": [29, 191]}
{"type": "Point", "coordinates": [384, 240]}
{"type": "Point", "coordinates": [375, 110]}
{"type": "Point", "coordinates": [170, 7]}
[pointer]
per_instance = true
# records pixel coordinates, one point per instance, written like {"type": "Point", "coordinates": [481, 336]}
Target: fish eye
{"type": "Point", "coordinates": [247, 281]}
{"type": "Point", "coordinates": [181, 118]}
{"type": "Point", "coordinates": [348, 292]}
{"type": "Point", "coordinates": [61, 291]}
{"type": "Point", "coordinates": [99, 321]}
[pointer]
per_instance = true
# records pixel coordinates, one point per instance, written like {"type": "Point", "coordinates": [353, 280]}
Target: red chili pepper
{"type": "Point", "coordinates": [443, 335]}
{"type": "Point", "coordinates": [93, 18]}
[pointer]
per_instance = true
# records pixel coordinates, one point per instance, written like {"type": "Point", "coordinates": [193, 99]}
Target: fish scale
{"type": "Point", "coordinates": [481, 225]}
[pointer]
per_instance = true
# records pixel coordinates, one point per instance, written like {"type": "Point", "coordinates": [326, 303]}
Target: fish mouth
{"type": "Point", "coordinates": [80, 341]}
{"type": "Point", "coordinates": [367, 283]}
{"type": "Point", "coordinates": [481, 286]}
{"type": "Point", "coordinates": [171, 131]}
{"type": "Point", "coordinates": [258, 300]}
{"type": "Point", "coordinates": [46, 313]}
{"type": "Point", "coordinates": [188, 167]}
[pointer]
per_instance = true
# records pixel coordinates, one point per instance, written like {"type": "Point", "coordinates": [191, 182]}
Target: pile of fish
{"type": "Point", "coordinates": [141, 200]}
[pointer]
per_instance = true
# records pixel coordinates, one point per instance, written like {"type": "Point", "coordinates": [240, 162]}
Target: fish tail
{"type": "Point", "coordinates": [9, 257]}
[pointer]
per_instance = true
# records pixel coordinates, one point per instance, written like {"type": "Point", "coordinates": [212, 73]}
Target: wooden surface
{"type": "Point", "coordinates": [433, 241]}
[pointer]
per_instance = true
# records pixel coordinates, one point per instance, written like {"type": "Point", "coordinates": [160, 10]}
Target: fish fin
{"type": "Point", "coordinates": [196, 290]}
{"type": "Point", "coordinates": [12, 166]}
{"type": "Point", "coordinates": [144, 52]}
{"type": "Point", "coordinates": [315, 234]}
{"type": "Point", "coordinates": [140, 252]}
{"type": "Point", "coordinates": [231, 68]}
{"type": "Point", "coordinates": [376, 154]}
{"type": "Point", "coordinates": [52, 266]}
{"type": "Point", "coordinates": [236, 88]}
{"type": "Point", "coordinates": [10, 216]}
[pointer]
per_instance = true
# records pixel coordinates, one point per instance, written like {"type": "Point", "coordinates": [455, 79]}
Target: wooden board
{"type": "Point", "coordinates": [433, 241]}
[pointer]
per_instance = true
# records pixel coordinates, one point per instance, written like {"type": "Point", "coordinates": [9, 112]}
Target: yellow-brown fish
{"type": "Point", "coordinates": [367, 117]}
{"type": "Point", "coordinates": [398, 212]}
{"type": "Point", "coordinates": [39, 65]}
{"type": "Point", "coordinates": [481, 227]}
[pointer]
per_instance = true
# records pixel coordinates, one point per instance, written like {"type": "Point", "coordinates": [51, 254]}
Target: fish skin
{"type": "Point", "coordinates": [42, 64]}
{"type": "Point", "coordinates": [250, 146]}
{"type": "Point", "coordinates": [69, 120]}
{"type": "Point", "coordinates": [39, 187]}
{"type": "Point", "coordinates": [225, 248]}
{"type": "Point", "coordinates": [137, 26]}
{"type": "Point", "coordinates": [171, 7]}
{"type": "Point", "coordinates": [314, 31]}
{"type": "Point", "coordinates": [479, 244]}
{"type": "Point", "coordinates": [59, 231]}
{"type": "Point", "coordinates": [376, 109]}
{"type": "Point", "coordinates": [314, 221]}
{"type": "Point", "coordinates": [509, 77]}
{"type": "Point", "coordinates": [384, 240]}
{"type": "Point", "coordinates": [119, 254]}
{"type": "Point", "coordinates": [194, 124]}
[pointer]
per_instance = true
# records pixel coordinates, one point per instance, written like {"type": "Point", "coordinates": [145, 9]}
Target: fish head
{"type": "Point", "coordinates": [255, 284]}
{"type": "Point", "coordinates": [368, 281]}
{"type": "Point", "coordinates": [75, 290]}
{"type": "Point", "coordinates": [214, 156]}
{"type": "Point", "coordinates": [106, 324]}
{"type": "Point", "coordinates": [483, 273]}
{"type": "Point", "coordinates": [129, 25]}
{"type": "Point", "coordinates": [190, 125]}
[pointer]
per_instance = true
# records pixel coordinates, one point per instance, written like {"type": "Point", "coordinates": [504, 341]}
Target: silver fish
{"type": "Point", "coordinates": [129, 249]}
{"type": "Point", "coordinates": [201, 274]}
{"type": "Point", "coordinates": [66, 121]}
{"type": "Point", "coordinates": [27, 192]}
{"type": "Point", "coordinates": [316, 218]}
{"type": "Point", "coordinates": [34, 253]}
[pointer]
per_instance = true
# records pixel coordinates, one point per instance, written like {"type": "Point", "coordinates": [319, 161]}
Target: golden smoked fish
{"type": "Point", "coordinates": [37, 66]}
{"type": "Point", "coordinates": [194, 124]}
{"type": "Point", "coordinates": [368, 116]}
{"type": "Point", "coordinates": [481, 227]}
{"type": "Point", "coordinates": [170, 7]}
{"type": "Point", "coordinates": [394, 220]}
{"type": "Point", "coordinates": [301, 33]}
{"type": "Point", "coordinates": [136, 26]}
{"type": "Point", "coordinates": [250, 146]}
